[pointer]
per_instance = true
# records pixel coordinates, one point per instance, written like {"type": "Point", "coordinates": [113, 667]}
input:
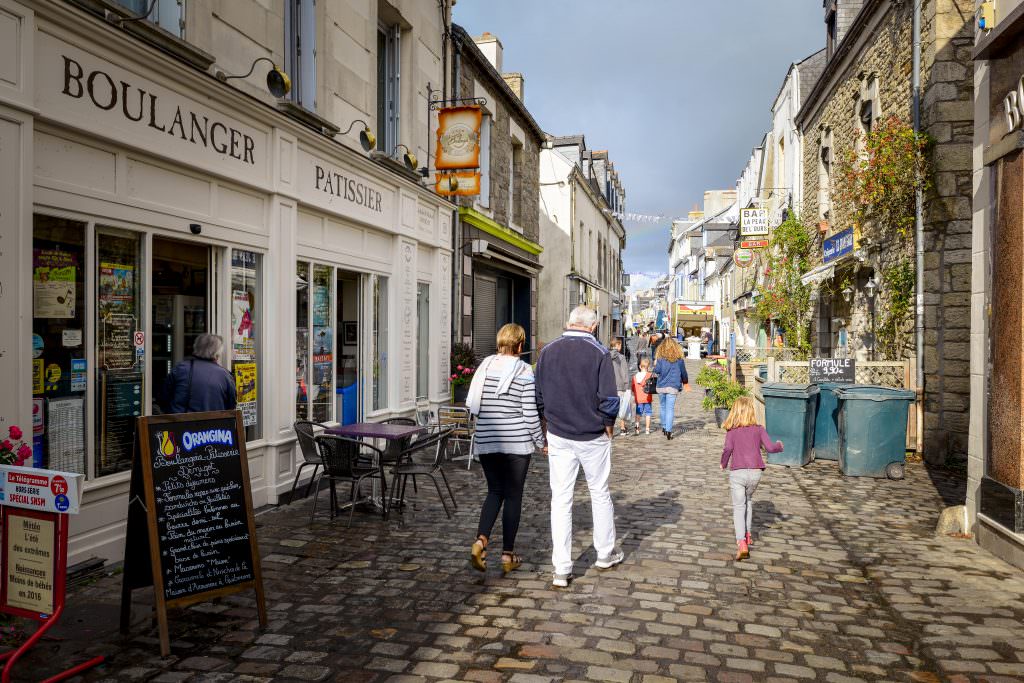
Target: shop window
{"type": "Point", "coordinates": [300, 55]}
{"type": "Point", "coordinates": [389, 42]}
{"type": "Point", "coordinates": [59, 337]}
{"type": "Point", "coordinates": [422, 340]}
{"type": "Point", "coordinates": [322, 342]}
{"type": "Point", "coordinates": [246, 336]}
{"type": "Point", "coordinates": [349, 347]}
{"type": "Point", "coordinates": [119, 348]}
{"type": "Point", "coordinates": [379, 341]}
{"type": "Point", "coordinates": [302, 341]}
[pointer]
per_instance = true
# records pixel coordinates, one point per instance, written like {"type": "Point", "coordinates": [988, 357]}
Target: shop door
{"type": "Point", "coordinates": [181, 305]}
{"type": "Point", "coordinates": [347, 394]}
{"type": "Point", "coordinates": [484, 315]}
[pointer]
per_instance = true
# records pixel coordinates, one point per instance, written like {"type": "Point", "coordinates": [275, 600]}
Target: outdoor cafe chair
{"type": "Point", "coordinates": [350, 460]}
{"type": "Point", "coordinates": [305, 433]}
{"type": "Point", "coordinates": [462, 432]}
{"type": "Point", "coordinates": [432, 446]}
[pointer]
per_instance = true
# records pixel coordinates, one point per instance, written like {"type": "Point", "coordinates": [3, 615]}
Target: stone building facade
{"type": "Point", "coordinates": [867, 78]}
{"type": "Point", "coordinates": [498, 282]}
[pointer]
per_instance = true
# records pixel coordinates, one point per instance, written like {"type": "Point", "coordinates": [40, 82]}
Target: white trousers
{"type": "Point", "coordinates": [564, 459]}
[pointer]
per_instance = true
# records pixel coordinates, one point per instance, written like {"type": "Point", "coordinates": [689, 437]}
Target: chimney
{"type": "Point", "coordinates": [515, 81]}
{"type": "Point", "coordinates": [491, 47]}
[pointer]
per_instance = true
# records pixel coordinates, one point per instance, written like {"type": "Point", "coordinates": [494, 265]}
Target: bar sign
{"type": "Point", "coordinates": [753, 244]}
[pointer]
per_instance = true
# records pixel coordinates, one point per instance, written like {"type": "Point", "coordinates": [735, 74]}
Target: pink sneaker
{"type": "Point", "coordinates": [750, 540]}
{"type": "Point", "coordinates": [742, 552]}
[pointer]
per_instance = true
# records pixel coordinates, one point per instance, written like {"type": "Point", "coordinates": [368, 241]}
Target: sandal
{"type": "Point", "coordinates": [510, 561]}
{"type": "Point", "coordinates": [478, 555]}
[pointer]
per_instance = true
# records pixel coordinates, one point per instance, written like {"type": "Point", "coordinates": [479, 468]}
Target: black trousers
{"type": "Point", "coordinates": [506, 475]}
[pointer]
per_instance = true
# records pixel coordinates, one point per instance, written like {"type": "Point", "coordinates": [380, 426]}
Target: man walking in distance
{"type": "Point", "coordinates": [577, 396]}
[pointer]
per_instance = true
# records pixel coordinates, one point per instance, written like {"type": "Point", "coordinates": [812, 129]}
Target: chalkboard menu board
{"type": "Point", "coordinates": [839, 370]}
{"type": "Point", "coordinates": [197, 522]}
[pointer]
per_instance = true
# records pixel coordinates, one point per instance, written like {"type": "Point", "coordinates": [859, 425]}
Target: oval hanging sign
{"type": "Point", "coordinates": [743, 257]}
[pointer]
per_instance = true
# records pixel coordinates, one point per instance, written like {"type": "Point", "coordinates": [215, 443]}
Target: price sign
{"type": "Point", "coordinates": [839, 370]}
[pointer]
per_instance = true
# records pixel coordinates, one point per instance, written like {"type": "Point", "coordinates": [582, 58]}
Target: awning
{"type": "Point", "coordinates": [819, 274]}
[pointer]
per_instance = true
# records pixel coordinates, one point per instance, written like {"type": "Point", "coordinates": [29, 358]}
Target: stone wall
{"type": "Point", "coordinates": [947, 117]}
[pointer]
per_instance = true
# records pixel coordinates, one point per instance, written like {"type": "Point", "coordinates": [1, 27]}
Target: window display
{"type": "Point", "coordinates": [302, 341]}
{"type": "Point", "coordinates": [245, 336]}
{"type": "Point", "coordinates": [59, 362]}
{"type": "Point", "coordinates": [379, 341]}
{"type": "Point", "coordinates": [322, 388]}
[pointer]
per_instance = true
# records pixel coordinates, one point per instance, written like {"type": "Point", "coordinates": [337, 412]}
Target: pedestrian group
{"type": "Point", "coordinates": [567, 407]}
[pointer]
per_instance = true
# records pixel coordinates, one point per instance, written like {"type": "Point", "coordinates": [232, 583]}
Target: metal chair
{"type": "Point", "coordinates": [407, 466]}
{"type": "Point", "coordinates": [305, 433]}
{"type": "Point", "coordinates": [463, 431]}
{"type": "Point", "coordinates": [351, 460]}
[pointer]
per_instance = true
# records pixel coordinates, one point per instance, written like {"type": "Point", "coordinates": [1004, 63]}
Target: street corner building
{"type": "Point", "coordinates": [162, 181]}
{"type": "Point", "coordinates": [497, 230]}
{"type": "Point", "coordinates": [995, 477]}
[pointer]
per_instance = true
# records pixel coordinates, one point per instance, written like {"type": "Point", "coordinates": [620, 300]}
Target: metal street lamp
{"type": "Point", "coordinates": [847, 293]}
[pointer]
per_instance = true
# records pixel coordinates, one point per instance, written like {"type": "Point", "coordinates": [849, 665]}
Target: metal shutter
{"type": "Point", "coordinates": [484, 330]}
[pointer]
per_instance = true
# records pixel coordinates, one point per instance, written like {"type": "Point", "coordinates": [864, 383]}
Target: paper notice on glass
{"type": "Point", "coordinates": [246, 391]}
{"type": "Point", "coordinates": [243, 347]}
{"type": "Point", "coordinates": [65, 426]}
{"type": "Point", "coordinates": [53, 283]}
{"type": "Point", "coordinates": [31, 563]}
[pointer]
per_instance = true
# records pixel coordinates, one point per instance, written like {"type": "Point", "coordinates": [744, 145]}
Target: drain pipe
{"type": "Point", "coordinates": [918, 232]}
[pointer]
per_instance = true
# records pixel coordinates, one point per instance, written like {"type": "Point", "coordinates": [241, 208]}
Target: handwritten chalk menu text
{"type": "Point", "coordinates": [201, 511]}
{"type": "Point", "coordinates": [30, 567]}
{"type": "Point", "coordinates": [197, 520]}
{"type": "Point", "coordinates": [839, 370]}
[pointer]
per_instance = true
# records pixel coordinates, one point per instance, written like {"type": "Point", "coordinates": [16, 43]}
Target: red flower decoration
{"type": "Point", "coordinates": [15, 432]}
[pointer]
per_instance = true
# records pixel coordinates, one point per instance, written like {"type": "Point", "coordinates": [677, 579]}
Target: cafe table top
{"type": "Point", "coordinates": [376, 430]}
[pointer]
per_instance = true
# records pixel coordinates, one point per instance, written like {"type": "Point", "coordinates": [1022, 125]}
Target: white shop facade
{"type": "Point", "coordinates": [144, 203]}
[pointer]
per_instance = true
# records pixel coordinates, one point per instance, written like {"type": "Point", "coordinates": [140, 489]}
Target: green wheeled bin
{"type": "Point", "coordinates": [826, 422]}
{"type": "Point", "coordinates": [789, 417]}
{"type": "Point", "coordinates": [873, 430]}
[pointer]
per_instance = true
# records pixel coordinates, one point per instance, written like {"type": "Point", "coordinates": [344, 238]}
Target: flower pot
{"type": "Point", "coordinates": [459, 393]}
{"type": "Point", "coordinates": [720, 415]}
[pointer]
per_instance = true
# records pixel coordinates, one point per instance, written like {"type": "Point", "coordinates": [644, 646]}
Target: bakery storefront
{"type": "Point", "coordinates": [145, 203]}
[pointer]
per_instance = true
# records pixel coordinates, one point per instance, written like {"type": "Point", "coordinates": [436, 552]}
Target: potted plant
{"type": "Point", "coordinates": [720, 392]}
{"type": "Point", "coordinates": [462, 363]}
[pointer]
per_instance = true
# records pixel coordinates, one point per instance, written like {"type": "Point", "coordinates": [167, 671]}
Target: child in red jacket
{"type": "Point", "coordinates": [744, 439]}
{"type": "Point", "coordinates": [641, 397]}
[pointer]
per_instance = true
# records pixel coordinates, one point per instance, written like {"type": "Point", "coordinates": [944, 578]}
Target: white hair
{"type": "Point", "coordinates": [583, 316]}
{"type": "Point", "coordinates": [207, 346]}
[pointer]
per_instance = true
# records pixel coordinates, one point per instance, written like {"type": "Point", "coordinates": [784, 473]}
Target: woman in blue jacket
{"type": "Point", "coordinates": [671, 371]}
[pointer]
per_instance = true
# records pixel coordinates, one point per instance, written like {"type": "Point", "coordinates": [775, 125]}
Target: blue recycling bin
{"type": "Point", "coordinates": [873, 430]}
{"type": "Point", "coordinates": [347, 403]}
{"type": "Point", "coordinates": [789, 411]}
{"type": "Point", "coordinates": [826, 422]}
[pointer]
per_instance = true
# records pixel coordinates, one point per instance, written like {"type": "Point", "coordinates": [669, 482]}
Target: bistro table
{"type": "Point", "coordinates": [396, 434]}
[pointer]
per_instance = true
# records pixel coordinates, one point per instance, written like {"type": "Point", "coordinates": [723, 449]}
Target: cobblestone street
{"type": "Point", "coordinates": [846, 581]}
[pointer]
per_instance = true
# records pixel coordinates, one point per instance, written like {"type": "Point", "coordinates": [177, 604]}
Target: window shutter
{"type": "Point", "coordinates": [484, 295]}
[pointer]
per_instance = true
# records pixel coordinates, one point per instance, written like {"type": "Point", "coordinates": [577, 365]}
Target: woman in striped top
{"type": "Point", "coordinates": [507, 433]}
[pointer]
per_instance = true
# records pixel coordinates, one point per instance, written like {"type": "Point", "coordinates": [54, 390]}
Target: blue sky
{"type": "Point", "coordinates": [678, 91]}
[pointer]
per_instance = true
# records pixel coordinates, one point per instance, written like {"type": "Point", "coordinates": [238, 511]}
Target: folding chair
{"type": "Point", "coordinates": [462, 430]}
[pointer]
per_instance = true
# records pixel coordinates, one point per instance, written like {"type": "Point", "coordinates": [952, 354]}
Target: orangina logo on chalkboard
{"type": "Point", "coordinates": [191, 440]}
{"type": "Point", "coordinates": [165, 445]}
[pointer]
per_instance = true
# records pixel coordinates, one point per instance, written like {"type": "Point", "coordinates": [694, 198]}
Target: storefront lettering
{"type": "Point", "coordinates": [137, 104]}
{"type": "Point", "coordinates": [349, 189]}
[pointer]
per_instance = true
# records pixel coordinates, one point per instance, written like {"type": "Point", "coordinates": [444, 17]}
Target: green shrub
{"type": "Point", "coordinates": [722, 391]}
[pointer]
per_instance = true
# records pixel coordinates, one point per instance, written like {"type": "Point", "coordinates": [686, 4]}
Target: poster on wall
{"type": "Point", "coordinates": [117, 288]}
{"type": "Point", "coordinates": [243, 347]}
{"type": "Point", "coordinates": [321, 305]}
{"type": "Point", "coordinates": [246, 390]}
{"type": "Point", "coordinates": [53, 283]}
{"type": "Point", "coordinates": [323, 344]}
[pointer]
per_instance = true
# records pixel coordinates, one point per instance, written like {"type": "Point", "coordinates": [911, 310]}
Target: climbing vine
{"type": "Point", "coordinates": [783, 297]}
{"type": "Point", "coordinates": [899, 284]}
{"type": "Point", "coordinates": [877, 184]}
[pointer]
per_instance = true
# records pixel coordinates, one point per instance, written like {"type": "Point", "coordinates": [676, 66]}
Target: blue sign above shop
{"type": "Point", "coordinates": [837, 246]}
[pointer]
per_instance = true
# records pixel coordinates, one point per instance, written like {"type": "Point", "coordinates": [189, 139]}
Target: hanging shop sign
{"type": "Point", "coordinates": [458, 138]}
{"type": "Point", "coordinates": [753, 244]}
{"type": "Point", "coordinates": [743, 257]}
{"type": "Point", "coordinates": [753, 222]}
{"type": "Point", "coordinates": [837, 246]}
{"type": "Point", "coordinates": [458, 184]}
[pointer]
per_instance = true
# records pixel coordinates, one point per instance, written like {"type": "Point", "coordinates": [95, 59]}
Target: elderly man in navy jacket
{"type": "Point", "coordinates": [578, 398]}
{"type": "Point", "coordinates": [199, 383]}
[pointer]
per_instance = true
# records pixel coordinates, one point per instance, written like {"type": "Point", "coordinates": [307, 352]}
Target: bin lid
{"type": "Point", "coordinates": [784, 390]}
{"type": "Point", "coordinates": [871, 392]}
